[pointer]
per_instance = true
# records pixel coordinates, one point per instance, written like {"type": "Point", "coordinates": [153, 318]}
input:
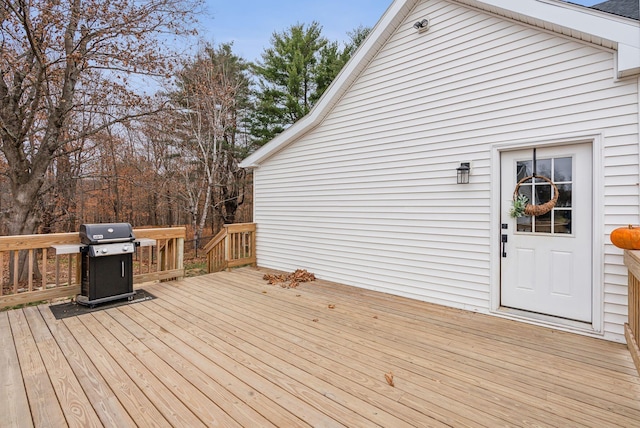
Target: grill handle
{"type": "Point", "coordinates": [122, 267]}
{"type": "Point", "coordinates": [111, 240]}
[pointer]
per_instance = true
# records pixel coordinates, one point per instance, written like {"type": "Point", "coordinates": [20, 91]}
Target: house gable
{"type": "Point", "coordinates": [594, 27]}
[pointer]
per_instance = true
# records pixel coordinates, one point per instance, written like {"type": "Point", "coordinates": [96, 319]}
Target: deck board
{"type": "Point", "coordinates": [204, 385]}
{"type": "Point", "coordinates": [14, 404]}
{"type": "Point", "coordinates": [288, 393]}
{"type": "Point", "coordinates": [227, 349]}
{"type": "Point", "coordinates": [105, 403]}
{"type": "Point", "coordinates": [204, 408]}
{"type": "Point", "coordinates": [74, 403]}
{"type": "Point", "coordinates": [132, 398]}
{"type": "Point", "coordinates": [271, 402]}
{"type": "Point", "coordinates": [162, 396]}
{"type": "Point", "coordinates": [44, 405]}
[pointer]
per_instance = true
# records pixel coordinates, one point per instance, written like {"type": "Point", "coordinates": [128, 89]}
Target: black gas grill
{"type": "Point", "coordinates": [107, 262]}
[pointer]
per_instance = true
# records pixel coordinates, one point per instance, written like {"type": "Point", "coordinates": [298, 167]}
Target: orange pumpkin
{"type": "Point", "coordinates": [627, 238]}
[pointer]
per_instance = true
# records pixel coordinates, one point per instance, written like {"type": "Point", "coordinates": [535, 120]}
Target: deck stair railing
{"type": "Point", "coordinates": [632, 327]}
{"type": "Point", "coordinates": [33, 268]}
{"type": "Point", "coordinates": [234, 245]}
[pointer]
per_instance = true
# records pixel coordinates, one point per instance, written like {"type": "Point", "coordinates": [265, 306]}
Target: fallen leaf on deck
{"type": "Point", "coordinates": [332, 306]}
{"type": "Point", "coordinates": [315, 320]}
{"type": "Point", "coordinates": [291, 280]}
{"type": "Point", "coordinates": [375, 316]}
{"type": "Point", "coordinates": [389, 378]}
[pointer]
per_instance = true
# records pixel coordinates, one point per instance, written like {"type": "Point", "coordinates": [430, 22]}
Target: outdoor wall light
{"type": "Point", "coordinates": [422, 25]}
{"type": "Point", "coordinates": [463, 172]}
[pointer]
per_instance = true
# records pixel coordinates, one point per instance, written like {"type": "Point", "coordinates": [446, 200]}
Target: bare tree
{"type": "Point", "coordinates": [213, 89]}
{"type": "Point", "coordinates": [58, 60]}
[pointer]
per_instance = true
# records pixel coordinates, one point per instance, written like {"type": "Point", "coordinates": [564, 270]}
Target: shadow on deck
{"type": "Point", "coordinates": [228, 349]}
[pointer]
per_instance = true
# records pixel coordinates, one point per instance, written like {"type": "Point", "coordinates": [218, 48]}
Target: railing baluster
{"type": "Point", "coordinates": [44, 268]}
{"type": "Point", "coordinates": [15, 271]}
{"type": "Point", "coordinates": [69, 263]}
{"type": "Point", "coordinates": [239, 246]}
{"type": "Point", "coordinates": [173, 253]}
{"type": "Point", "coordinates": [633, 284]}
{"type": "Point", "coordinates": [30, 280]}
{"type": "Point", "coordinates": [1, 273]}
{"type": "Point", "coordinates": [57, 270]}
{"type": "Point", "coordinates": [234, 246]}
{"type": "Point", "coordinates": [158, 255]}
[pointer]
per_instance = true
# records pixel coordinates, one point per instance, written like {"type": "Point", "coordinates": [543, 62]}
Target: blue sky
{"type": "Point", "coordinates": [249, 24]}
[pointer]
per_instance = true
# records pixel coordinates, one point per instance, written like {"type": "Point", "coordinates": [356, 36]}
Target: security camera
{"type": "Point", "coordinates": [422, 25]}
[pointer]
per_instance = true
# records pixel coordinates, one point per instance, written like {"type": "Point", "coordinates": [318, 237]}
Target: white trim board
{"type": "Point", "coordinates": [596, 328]}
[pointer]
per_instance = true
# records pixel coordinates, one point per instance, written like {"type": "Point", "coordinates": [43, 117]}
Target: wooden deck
{"type": "Point", "coordinates": [227, 349]}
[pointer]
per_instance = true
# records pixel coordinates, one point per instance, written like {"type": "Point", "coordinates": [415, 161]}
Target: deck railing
{"type": "Point", "coordinates": [233, 246]}
{"type": "Point", "coordinates": [632, 328]}
{"type": "Point", "coordinates": [32, 267]}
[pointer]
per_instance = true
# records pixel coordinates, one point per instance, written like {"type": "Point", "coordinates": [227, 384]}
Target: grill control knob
{"type": "Point", "coordinates": [104, 251]}
{"type": "Point", "coordinates": [125, 248]}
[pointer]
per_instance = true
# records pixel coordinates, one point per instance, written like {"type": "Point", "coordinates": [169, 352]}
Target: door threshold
{"type": "Point", "coordinates": [548, 320]}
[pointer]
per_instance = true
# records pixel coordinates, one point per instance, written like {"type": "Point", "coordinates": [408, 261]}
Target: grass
{"type": "Point", "coordinates": [194, 266]}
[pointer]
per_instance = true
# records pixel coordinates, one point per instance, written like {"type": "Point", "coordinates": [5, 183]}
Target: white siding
{"type": "Point", "coordinates": [368, 198]}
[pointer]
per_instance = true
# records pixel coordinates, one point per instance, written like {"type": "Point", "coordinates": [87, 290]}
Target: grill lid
{"type": "Point", "coordinates": [102, 233]}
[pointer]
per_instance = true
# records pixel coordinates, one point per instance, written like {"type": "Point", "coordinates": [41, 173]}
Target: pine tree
{"type": "Point", "coordinates": [293, 74]}
{"type": "Point", "coordinates": [286, 79]}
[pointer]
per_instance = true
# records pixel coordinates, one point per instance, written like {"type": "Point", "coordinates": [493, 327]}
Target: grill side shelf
{"type": "Point", "coordinates": [68, 248]}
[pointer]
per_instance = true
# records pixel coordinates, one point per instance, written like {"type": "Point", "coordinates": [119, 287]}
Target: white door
{"type": "Point", "coordinates": [546, 263]}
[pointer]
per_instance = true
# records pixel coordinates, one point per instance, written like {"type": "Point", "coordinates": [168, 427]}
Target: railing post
{"type": "Point", "coordinates": [254, 258]}
{"type": "Point", "coordinates": [632, 328]}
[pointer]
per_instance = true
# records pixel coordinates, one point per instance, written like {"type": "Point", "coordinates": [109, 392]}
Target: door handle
{"type": "Point", "coordinates": [504, 245]}
{"type": "Point", "coordinates": [122, 268]}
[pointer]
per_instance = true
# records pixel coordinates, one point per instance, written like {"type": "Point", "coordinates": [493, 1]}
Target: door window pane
{"type": "Point", "coordinates": [562, 221]}
{"type": "Point", "coordinates": [543, 223]}
{"type": "Point", "coordinates": [543, 167]}
{"type": "Point", "coordinates": [543, 193]}
{"type": "Point", "coordinates": [523, 169]}
{"type": "Point", "coordinates": [525, 189]}
{"type": "Point", "coordinates": [524, 224]}
{"type": "Point", "coordinates": [562, 170]}
{"type": "Point", "coordinates": [564, 199]}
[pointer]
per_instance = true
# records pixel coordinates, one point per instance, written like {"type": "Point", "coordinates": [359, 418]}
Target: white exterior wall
{"type": "Point", "coordinates": [369, 198]}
